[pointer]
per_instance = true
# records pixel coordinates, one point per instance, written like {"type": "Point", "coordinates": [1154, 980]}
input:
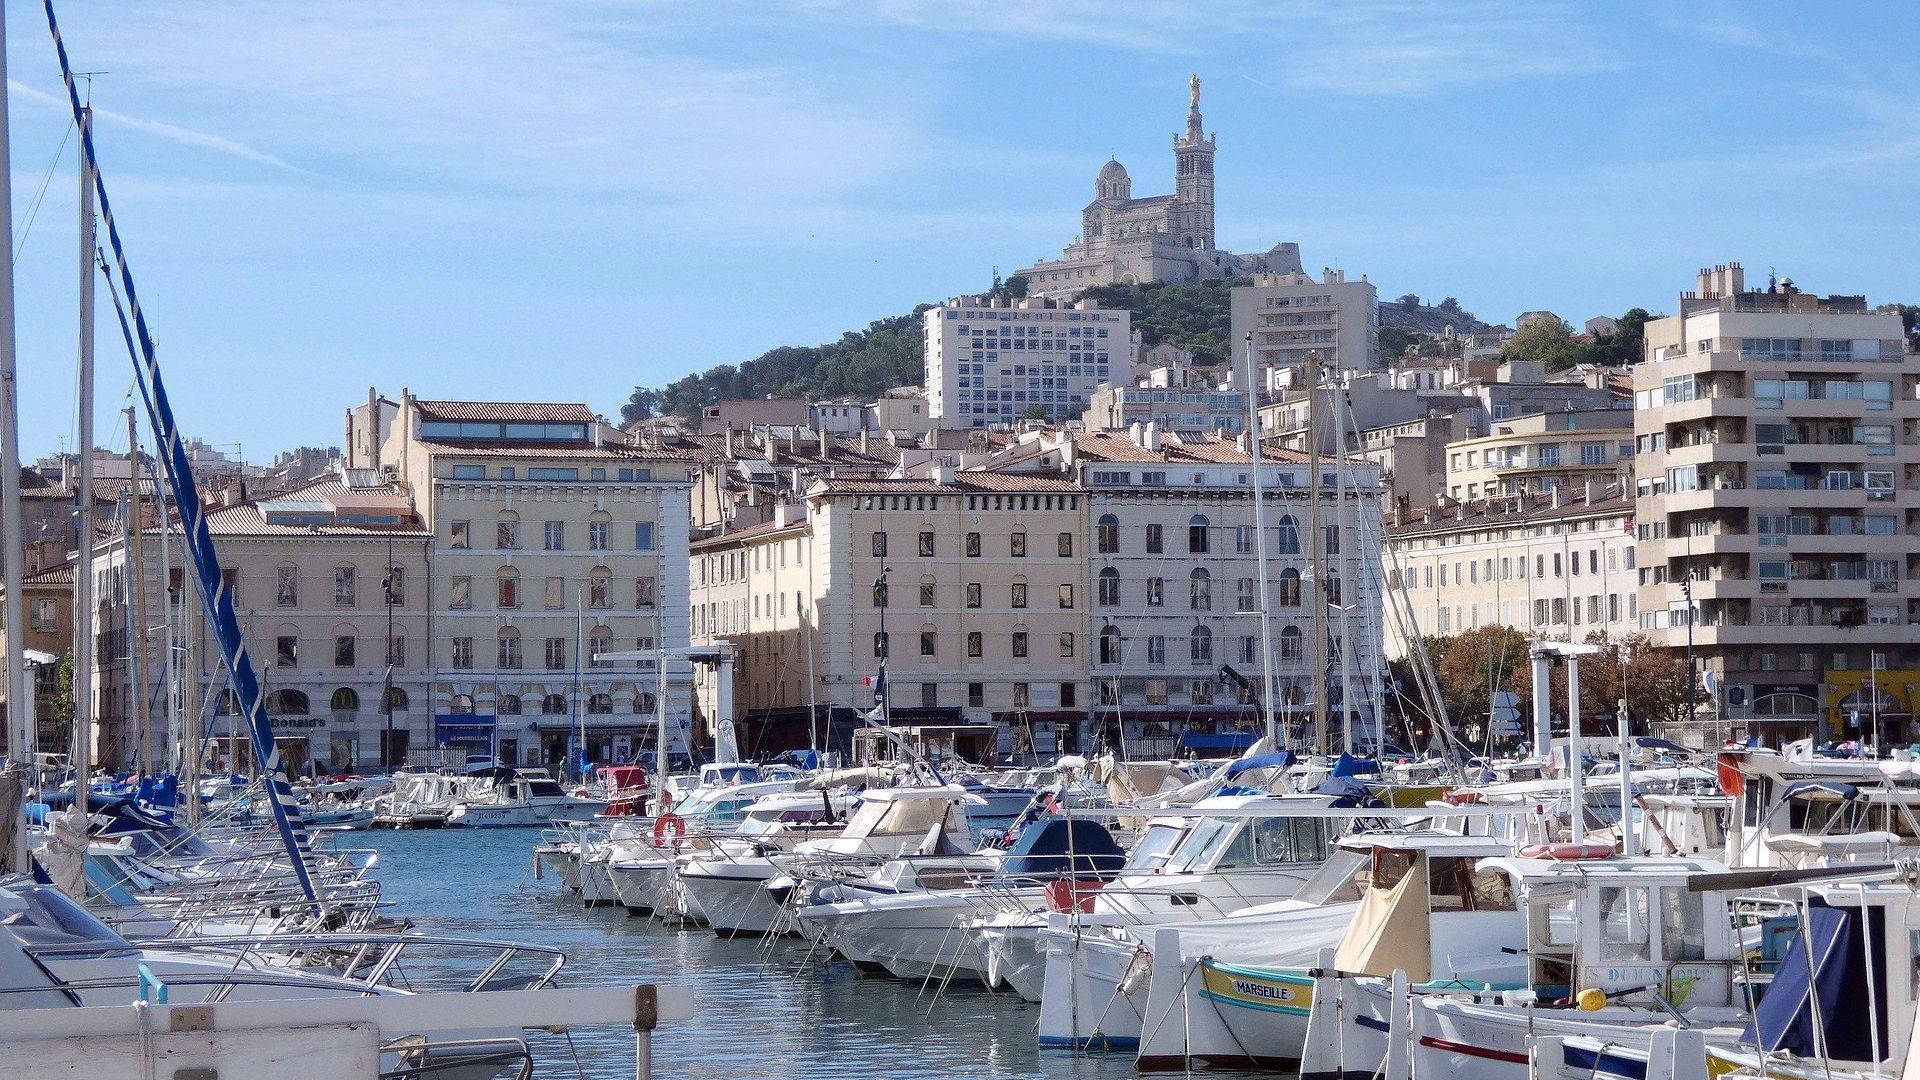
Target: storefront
{"type": "Point", "coordinates": [608, 743]}
{"type": "Point", "coordinates": [1872, 705]}
{"type": "Point", "coordinates": [460, 737]}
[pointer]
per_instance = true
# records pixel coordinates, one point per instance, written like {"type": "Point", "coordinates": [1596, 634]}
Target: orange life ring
{"type": "Point", "coordinates": [1566, 852]}
{"type": "Point", "coordinates": [668, 821]}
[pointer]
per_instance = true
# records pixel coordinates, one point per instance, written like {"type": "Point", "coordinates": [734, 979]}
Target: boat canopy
{"type": "Point", "coordinates": [1278, 759]}
{"type": "Point", "coordinates": [1055, 846]}
{"type": "Point", "coordinates": [1812, 1009]}
{"type": "Point", "coordinates": [1801, 789]}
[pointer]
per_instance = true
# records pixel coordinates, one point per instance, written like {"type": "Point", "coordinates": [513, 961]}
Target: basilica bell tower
{"type": "Point", "coordinates": [1193, 177]}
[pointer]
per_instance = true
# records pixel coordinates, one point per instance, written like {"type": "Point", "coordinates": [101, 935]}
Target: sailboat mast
{"type": "Point", "coordinates": [1317, 568]}
{"type": "Point", "coordinates": [84, 615]}
{"type": "Point", "coordinates": [1260, 555]}
{"type": "Point", "coordinates": [137, 637]}
{"type": "Point", "coordinates": [12, 540]}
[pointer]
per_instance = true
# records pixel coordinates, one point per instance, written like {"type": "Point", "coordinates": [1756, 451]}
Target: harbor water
{"type": "Point", "coordinates": [760, 1012]}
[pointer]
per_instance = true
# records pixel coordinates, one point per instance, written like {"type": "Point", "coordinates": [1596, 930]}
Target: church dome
{"type": "Point", "coordinates": [1113, 182]}
{"type": "Point", "coordinates": [1113, 170]}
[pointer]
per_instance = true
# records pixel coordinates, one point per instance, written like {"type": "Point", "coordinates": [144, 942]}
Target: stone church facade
{"type": "Point", "coordinates": [1124, 240]}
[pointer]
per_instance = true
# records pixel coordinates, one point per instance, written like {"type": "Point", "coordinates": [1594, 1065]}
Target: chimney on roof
{"type": "Point", "coordinates": [863, 438]}
{"type": "Point", "coordinates": [1553, 497]}
{"type": "Point", "coordinates": [766, 445]}
{"type": "Point", "coordinates": [1152, 433]}
{"type": "Point", "coordinates": [943, 472]}
{"type": "Point", "coordinates": [1587, 493]}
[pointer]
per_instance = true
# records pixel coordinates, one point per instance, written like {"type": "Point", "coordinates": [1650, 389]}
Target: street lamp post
{"type": "Point", "coordinates": [885, 597]}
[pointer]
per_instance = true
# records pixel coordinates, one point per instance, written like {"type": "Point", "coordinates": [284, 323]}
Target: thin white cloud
{"type": "Point", "coordinates": [219, 144]}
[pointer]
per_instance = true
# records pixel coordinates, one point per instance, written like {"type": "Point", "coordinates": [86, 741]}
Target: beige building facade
{"type": "Point", "coordinates": [1536, 454]}
{"type": "Point", "coordinates": [1776, 536]}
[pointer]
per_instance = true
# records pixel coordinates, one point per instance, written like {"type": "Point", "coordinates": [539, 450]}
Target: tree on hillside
{"type": "Point", "coordinates": [1013, 288]}
{"type": "Point", "coordinates": [1193, 315]}
{"type": "Point", "coordinates": [643, 404]}
{"type": "Point", "coordinates": [1409, 300]}
{"type": "Point", "coordinates": [1396, 342]}
{"type": "Point", "coordinates": [1909, 319]}
{"type": "Point", "coordinates": [1450, 306]}
{"type": "Point", "coordinates": [1549, 341]}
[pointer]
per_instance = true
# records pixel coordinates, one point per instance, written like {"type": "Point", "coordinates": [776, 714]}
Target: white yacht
{"type": "Point", "coordinates": [509, 798]}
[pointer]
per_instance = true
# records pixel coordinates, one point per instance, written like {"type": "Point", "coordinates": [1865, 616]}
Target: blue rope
{"type": "Point", "coordinates": [221, 616]}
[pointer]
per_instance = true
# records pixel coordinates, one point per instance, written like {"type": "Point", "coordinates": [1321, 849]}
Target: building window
{"type": "Point", "coordinates": [286, 591]}
{"type": "Point", "coordinates": [1109, 645]}
{"type": "Point", "coordinates": [879, 545]}
{"type": "Point", "coordinates": [1156, 592]}
{"type": "Point", "coordinates": [976, 695]}
{"type": "Point", "coordinates": [460, 535]}
{"type": "Point", "coordinates": [506, 532]}
{"type": "Point", "coordinates": [393, 587]}
{"type": "Point", "coordinates": [928, 643]}
{"type": "Point", "coordinates": [929, 695]}
{"type": "Point", "coordinates": [926, 594]}
{"type": "Point", "coordinates": [556, 593]}
{"type": "Point", "coordinates": [643, 536]}
{"type": "Point", "coordinates": [1022, 695]}
{"type": "Point", "coordinates": [597, 535]}
{"type": "Point", "coordinates": [973, 594]}
{"type": "Point", "coordinates": [553, 705]}
{"type": "Point", "coordinates": [1200, 692]}
{"type": "Point", "coordinates": [1155, 544]}
{"type": "Point", "coordinates": [973, 545]}
{"type": "Point", "coordinates": [556, 536]}
{"type": "Point", "coordinates": [1197, 534]}
{"type": "Point", "coordinates": [1065, 545]}
{"type": "Point", "coordinates": [1289, 535]}
{"type": "Point", "coordinates": [599, 642]}
{"type": "Point", "coordinates": [460, 593]}
{"type": "Point", "coordinates": [345, 590]}
{"type": "Point", "coordinates": [1020, 644]}
{"type": "Point", "coordinates": [507, 650]}
{"type": "Point", "coordinates": [507, 588]}
{"type": "Point", "coordinates": [880, 646]}
{"type": "Point", "coordinates": [1200, 590]}
{"type": "Point", "coordinates": [643, 592]}
{"type": "Point", "coordinates": [507, 705]}
{"type": "Point", "coordinates": [397, 651]}
{"type": "Point", "coordinates": [286, 652]}
{"type": "Point", "coordinates": [1289, 587]}
{"type": "Point", "coordinates": [1243, 539]}
{"type": "Point", "coordinates": [556, 654]}
{"type": "Point", "coordinates": [926, 545]}
{"type": "Point", "coordinates": [1243, 595]}
{"type": "Point", "coordinates": [1017, 545]}
{"type": "Point", "coordinates": [1107, 534]}
{"type": "Point", "coordinates": [600, 589]}
{"type": "Point", "coordinates": [974, 645]}
{"type": "Point", "coordinates": [1201, 645]}
{"type": "Point", "coordinates": [1290, 643]}
{"type": "Point", "coordinates": [1066, 645]}
{"type": "Point", "coordinates": [1157, 649]}
{"type": "Point", "coordinates": [1156, 691]}
{"type": "Point", "coordinates": [462, 659]}
{"type": "Point", "coordinates": [1069, 698]}
{"type": "Point", "coordinates": [1331, 592]}
{"type": "Point", "coordinates": [1108, 594]}
{"type": "Point", "coordinates": [343, 650]}
{"type": "Point", "coordinates": [1066, 596]}
{"type": "Point", "coordinates": [879, 594]}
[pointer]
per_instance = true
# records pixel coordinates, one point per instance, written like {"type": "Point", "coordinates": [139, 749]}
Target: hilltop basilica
{"type": "Point", "coordinates": [1159, 238]}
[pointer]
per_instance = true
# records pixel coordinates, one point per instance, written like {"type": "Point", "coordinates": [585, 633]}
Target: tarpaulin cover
{"type": "Point", "coordinates": [1833, 986]}
{"type": "Point", "coordinates": [1042, 850]}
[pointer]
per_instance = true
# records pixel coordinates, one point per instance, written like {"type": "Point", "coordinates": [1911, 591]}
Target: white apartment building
{"type": "Point", "coordinates": [1291, 314]}
{"type": "Point", "coordinates": [1776, 535]}
{"type": "Point", "coordinates": [555, 541]}
{"type": "Point", "coordinates": [1558, 565]}
{"type": "Point", "coordinates": [1176, 598]}
{"type": "Point", "coordinates": [312, 572]}
{"type": "Point", "coordinates": [991, 363]}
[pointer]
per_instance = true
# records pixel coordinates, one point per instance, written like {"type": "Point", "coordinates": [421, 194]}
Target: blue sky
{"type": "Point", "coordinates": [559, 200]}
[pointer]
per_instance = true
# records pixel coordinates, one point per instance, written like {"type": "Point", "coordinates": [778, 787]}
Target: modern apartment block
{"type": "Point", "coordinates": [1538, 453]}
{"type": "Point", "coordinates": [1558, 564]}
{"type": "Point", "coordinates": [1776, 532]}
{"type": "Point", "coordinates": [990, 362]}
{"type": "Point", "coordinates": [1291, 314]}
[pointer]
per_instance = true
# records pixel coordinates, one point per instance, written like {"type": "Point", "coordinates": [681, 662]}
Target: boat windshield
{"type": "Point", "coordinates": [1220, 843]}
{"type": "Point", "coordinates": [1152, 847]}
{"type": "Point", "coordinates": [896, 817]}
{"type": "Point", "coordinates": [544, 789]}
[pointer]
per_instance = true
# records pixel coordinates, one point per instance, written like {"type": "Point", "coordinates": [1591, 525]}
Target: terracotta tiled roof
{"type": "Point", "coordinates": [52, 575]}
{"type": "Point", "coordinates": [962, 482]}
{"type": "Point", "coordinates": [609, 452]}
{"type": "Point", "coordinates": [761, 531]}
{"type": "Point", "coordinates": [1210, 449]}
{"type": "Point", "coordinates": [534, 412]}
{"type": "Point", "coordinates": [1512, 510]}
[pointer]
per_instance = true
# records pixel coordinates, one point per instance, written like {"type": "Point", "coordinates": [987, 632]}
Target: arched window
{"type": "Point", "coordinates": [600, 704]}
{"type": "Point", "coordinates": [1107, 534]}
{"type": "Point", "coordinates": [1109, 644]}
{"type": "Point", "coordinates": [1201, 645]}
{"type": "Point", "coordinates": [1290, 643]}
{"type": "Point", "coordinates": [462, 705]}
{"type": "Point", "coordinates": [287, 703]}
{"type": "Point", "coordinates": [1333, 588]}
{"type": "Point", "coordinates": [1109, 593]}
{"type": "Point", "coordinates": [396, 699]}
{"type": "Point", "coordinates": [1784, 705]}
{"type": "Point", "coordinates": [1289, 587]}
{"type": "Point", "coordinates": [1289, 535]}
{"type": "Point", "coordinates": [508, 705]}
{"type": "Point", "coordinates": [1197, 534]}
{"type": "Point", "coordinates": [553, 705]}
{"type": "Point", "coordinates": [1200, 590]}
{"type": "Point", "coordinates": [644, 704]}
{"type": "Point", "coordinates": [599, 640]}
{"type": "Point", "coordinates": [344, 700]}
{"type": "Point", "coordinates": [506, 531]}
